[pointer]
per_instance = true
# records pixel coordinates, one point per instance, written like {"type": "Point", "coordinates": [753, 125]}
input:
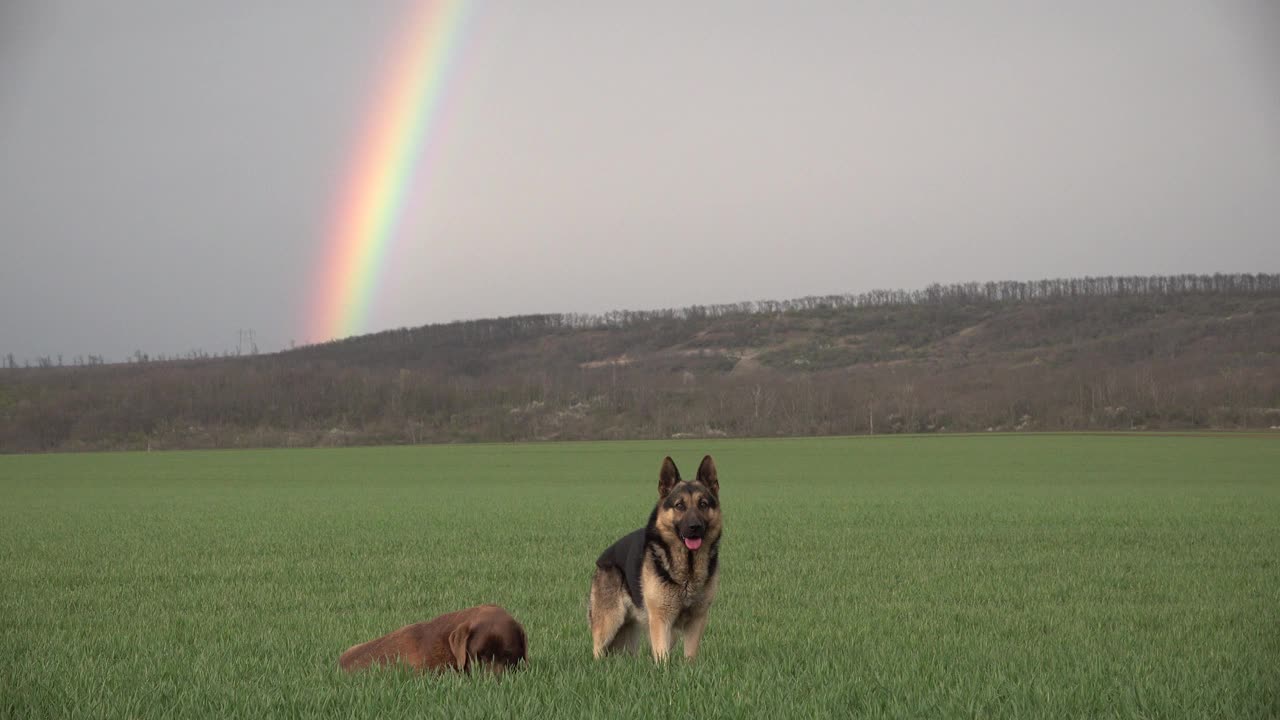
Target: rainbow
{"type": "Point", "coordinates": [385, 162]}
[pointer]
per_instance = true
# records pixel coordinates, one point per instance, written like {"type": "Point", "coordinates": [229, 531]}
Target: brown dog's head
{"type": "Point", "coordinates": [689, 510]}
{"type": "Point", "coordinates": [491, 637]}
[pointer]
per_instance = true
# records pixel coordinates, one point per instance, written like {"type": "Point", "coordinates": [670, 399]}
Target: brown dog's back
{"type": "Point", "coordinates": [487, 633]}
{"type": "Point", "coordinates": [410, 644]}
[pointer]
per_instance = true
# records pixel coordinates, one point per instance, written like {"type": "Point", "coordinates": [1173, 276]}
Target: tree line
{"type": "Point", "coordinates": [1092, 353]}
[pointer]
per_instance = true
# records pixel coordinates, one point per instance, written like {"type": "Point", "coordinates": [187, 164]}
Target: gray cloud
{"type": "Point", "coordinates": [168, 174]}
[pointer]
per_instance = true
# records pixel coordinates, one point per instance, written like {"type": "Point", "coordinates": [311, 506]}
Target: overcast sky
{"type": "Point", "coordinates": [168, 170]}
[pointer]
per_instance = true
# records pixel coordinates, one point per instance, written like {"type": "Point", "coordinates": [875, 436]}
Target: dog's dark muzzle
{"type": "Point", "coordinates": [692, 531]}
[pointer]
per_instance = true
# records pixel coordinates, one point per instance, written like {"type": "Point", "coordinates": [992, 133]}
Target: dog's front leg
{"type": "Point", "coordinates": [660, 632]}
{"type": "Point", "coordinates": [697, 618]}
{"type": "Point", "coordinates": [693, 631]}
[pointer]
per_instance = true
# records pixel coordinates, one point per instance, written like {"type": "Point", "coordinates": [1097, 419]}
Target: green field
{"type": "Point", "coordinates": [992, 576]}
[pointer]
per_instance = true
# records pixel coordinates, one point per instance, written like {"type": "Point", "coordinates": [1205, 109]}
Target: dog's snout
{"type": "Point", "coordinates": [694, 529]}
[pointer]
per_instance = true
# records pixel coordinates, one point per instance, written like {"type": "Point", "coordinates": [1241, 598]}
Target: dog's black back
{"type": "Point", "coordinates": [627, 555]}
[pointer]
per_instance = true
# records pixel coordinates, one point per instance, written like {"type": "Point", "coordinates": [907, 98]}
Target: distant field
{"type": "Point", "coordinates": [990, 576]}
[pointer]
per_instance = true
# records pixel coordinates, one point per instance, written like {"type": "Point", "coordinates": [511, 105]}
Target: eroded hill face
{"type": "Point", "coordinates": [1149, 361]}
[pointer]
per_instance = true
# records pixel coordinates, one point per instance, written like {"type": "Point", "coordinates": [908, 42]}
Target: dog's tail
{"type": "Point", "coordinates": [589, 591]}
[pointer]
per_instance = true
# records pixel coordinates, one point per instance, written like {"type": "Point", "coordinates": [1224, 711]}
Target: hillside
{"type": "Point", "coordinates": [1182, 352]}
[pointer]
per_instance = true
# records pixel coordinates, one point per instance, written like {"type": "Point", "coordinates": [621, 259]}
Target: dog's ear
{"type": "Point", "coordinates": [668, 476]}
{"type": "Point", "coordinates": [458, 640]}
{"type": "Point", "coordinates": [707, 475]}
{"type": "Point", "coordinates": [524, 643]}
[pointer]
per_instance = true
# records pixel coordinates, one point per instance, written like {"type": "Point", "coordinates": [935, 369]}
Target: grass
{"type": "Point", "coordinates": [998, 576]}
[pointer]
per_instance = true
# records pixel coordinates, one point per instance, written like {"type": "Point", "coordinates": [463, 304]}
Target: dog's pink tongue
{"type": "Point", "coordinates": [693, 543]}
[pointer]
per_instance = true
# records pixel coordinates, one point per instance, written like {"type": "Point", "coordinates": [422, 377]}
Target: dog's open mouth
{"type": "Point", "coordinates": [693, 543]}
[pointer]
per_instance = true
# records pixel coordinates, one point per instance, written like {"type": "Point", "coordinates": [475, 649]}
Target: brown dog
{"type": "Point", "coordinates": [486, 634]}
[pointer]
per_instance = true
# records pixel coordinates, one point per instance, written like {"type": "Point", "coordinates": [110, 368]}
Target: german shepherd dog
{"type": "Point", "coordinates": [663, 575]}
